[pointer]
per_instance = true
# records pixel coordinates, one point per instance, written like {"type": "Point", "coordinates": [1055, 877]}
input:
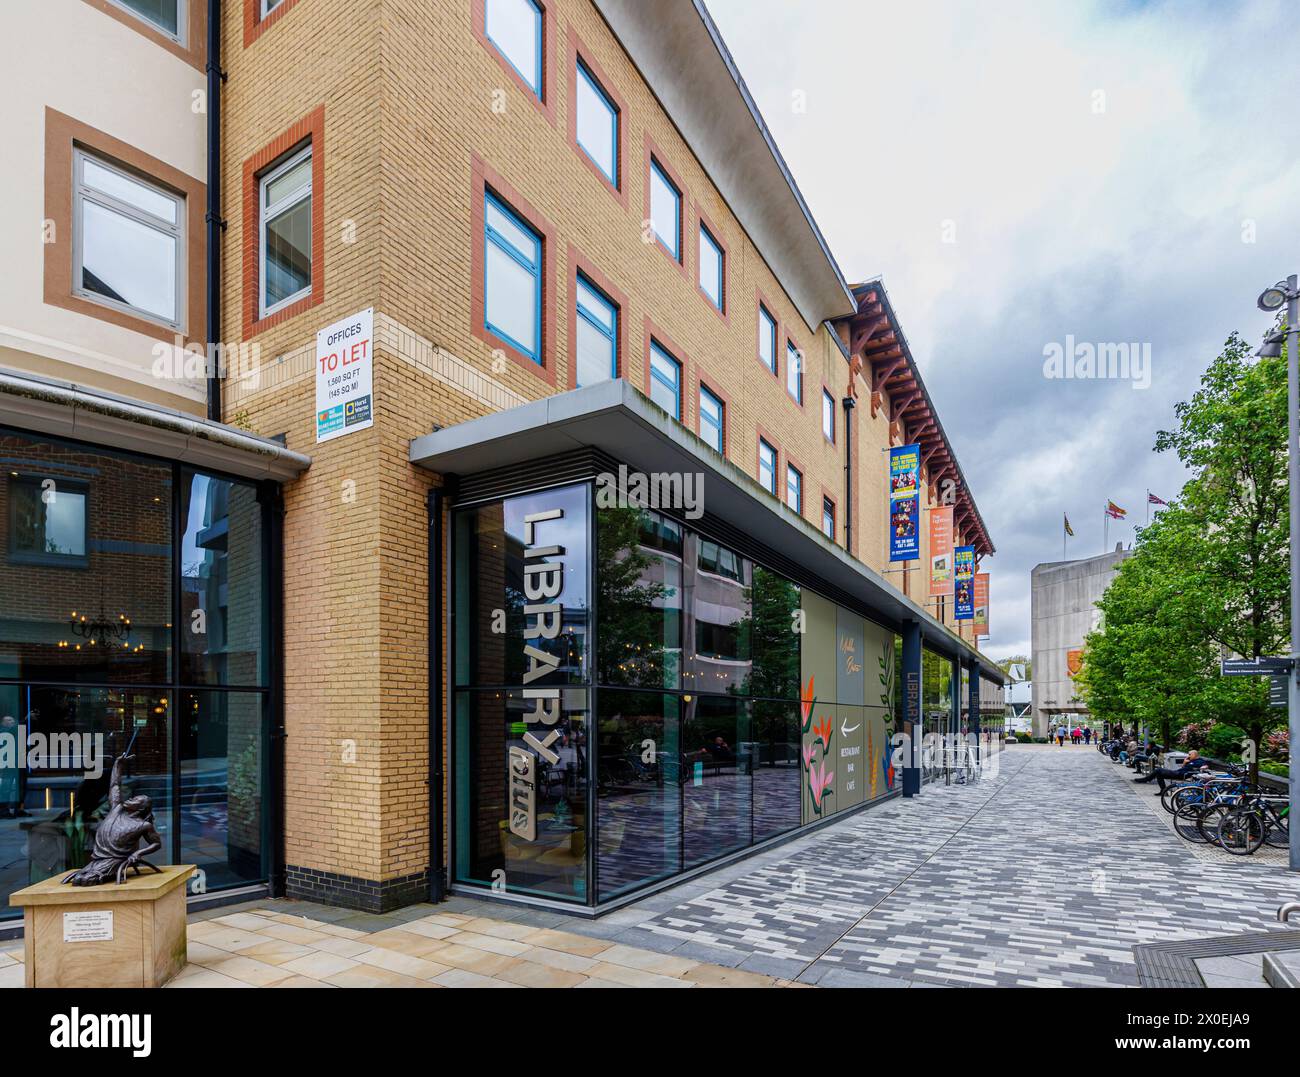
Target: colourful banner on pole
{"type": "Point", "coordinates": [904, 503]}
{"type": "Point", "coordinates": [941, 551]}
{"type": "Point", "coordinates": [964, 583]}
{"type": "Point", "coordinates": [981, 603]}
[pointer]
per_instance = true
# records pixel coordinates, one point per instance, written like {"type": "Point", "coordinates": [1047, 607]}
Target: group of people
{"type": "Point", "coordinates": [1078, 735]}
{"type": "Point", "coordinates": [1125, 748]}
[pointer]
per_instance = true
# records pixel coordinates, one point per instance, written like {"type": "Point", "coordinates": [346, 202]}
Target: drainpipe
{"type": "Point", "coordinates": [212, 218]}
{"type": "Point", "coordinates": [436, 619]}
{"type": "Point", "coordinates": [849, 404]}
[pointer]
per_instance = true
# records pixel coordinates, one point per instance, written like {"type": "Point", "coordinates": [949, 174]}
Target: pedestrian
{"type": "Point", "coordinates": [1087, 735]}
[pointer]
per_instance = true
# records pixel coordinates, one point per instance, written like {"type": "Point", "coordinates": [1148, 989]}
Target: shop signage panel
{"type": "Point", "coordinates": [851, 659]}
{"type": "Point", "coordinates": [345, 376]}
{"type": "Point", "coordinates": [850, 756]}
{"type": "Point", "coordinates": [904, 503]}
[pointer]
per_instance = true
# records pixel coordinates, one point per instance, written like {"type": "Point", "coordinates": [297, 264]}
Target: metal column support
{"type": "Point", "coordinates": [910, 671]}
{"type": "Point", "coordinates": [974, 723]}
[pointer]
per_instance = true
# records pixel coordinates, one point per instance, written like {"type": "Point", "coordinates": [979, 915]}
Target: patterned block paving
{"type": "Point", "coordinates": [1047, 874]}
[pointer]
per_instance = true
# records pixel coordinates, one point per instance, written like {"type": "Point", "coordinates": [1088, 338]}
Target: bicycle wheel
{"type": "Point", "coordinates": [1188, 827]}
{"type": "Point", "coordinates": [1207, 823]}
{"type": "Point", "coordinates": [1278, 834]}
{"type": "Point", "coordinates": [1240, 832]}
{"type": "Point", "coordinates": [1175, 796]}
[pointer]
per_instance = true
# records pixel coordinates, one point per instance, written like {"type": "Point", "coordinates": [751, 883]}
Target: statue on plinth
{"type": "Point", "coordinates": [117, 840]}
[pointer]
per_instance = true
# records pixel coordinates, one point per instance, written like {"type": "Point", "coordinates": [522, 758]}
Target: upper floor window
{"type": "Point", "coordinates": [712, 412]}
{"type": "Point", "coordinates": [515, 28]}
{"type": "Point", "coordinates": [285, 198]}
{"type": "Point", "coordinates": [828, 415]}
{"type": "Point", "coordinates": [766, 466]}
{"type": "Point", "coordinates": [597, 335]}
{"type": "Point", "coordinates": [794, 487]}
{"type": "Point", "coordinates": [269, 6]}
{"type": "Point", "coordinates": [711, 259]}
{"type": "Point", "coordinates": [512, 288]}
{"type": "Point", "coordinates": [47, 522]}
{"type": "Point", "coordinates": [794, 371]}
{"type": "Point", "coordinates": [129, 242]}
{"type": "Point", "coordinates": [828, 518]}
{"type": "Point", "coordinates": [666, 211]}
{"type": "Point", "coordinates": [596, 123]}
{"type": "Point", "coordinates": [165, 15]}
{"type": "Point", "coordinates": [665, 380]}
{"type": "Point", "coordinates": [767, 338]}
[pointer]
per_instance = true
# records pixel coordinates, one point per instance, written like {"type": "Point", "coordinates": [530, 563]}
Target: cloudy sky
{"type": "Point", "coordinates": [1024, 172]}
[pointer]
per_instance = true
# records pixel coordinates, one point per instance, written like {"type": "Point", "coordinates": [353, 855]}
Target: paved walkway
{"type": "Point", "coordinates": [1014, 881]}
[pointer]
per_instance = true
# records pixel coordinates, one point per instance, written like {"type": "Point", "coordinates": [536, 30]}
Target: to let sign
{"type": "Point", "coordinates": [345, 376]}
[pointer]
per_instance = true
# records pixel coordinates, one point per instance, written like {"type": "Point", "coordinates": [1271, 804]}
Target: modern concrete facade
{"type": "Point", "coordinates": [1062, 612]}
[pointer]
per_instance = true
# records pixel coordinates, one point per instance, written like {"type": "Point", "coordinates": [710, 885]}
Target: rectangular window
{"type": "Point", "coordinates": [712, 411]}
{"type": "Point", "coordinates": [828, 518]}
{"type": "Point", "coordinates": [512, 286]}
{"type": "Point", "coordinates": [166, 15]}
{"type": "Point", "coordinates": [285, 198]}
{"type": "Point", "coordinates": [666, 211]}
{"type": "Point", "coordinates": [665, 380]}
{"type": "Point", "coordinates": [793, 488]}
{"type": "Point", "coordinates": [597, 336]}
{"type": "Point", "coordinates": [794, 371]}
{"type": "Point", "coordinates": [47, 522]}
{"type": "Point", "coordinates": [767, 338]}
{"type": "Point", "coordinates": [766, 466]}
{"type": "Point", "coordinates": [596, 123]}
{"type": "Point", "coordinates": [268, 6]}
{"type": "Point", "coordinates": [515, 28]}
{"type": "Point", "coordinates": [828, 415]}
{"type": "Point", "coordinates": [711, 259]}
{"type": "Point", "coordinates": [129, 242]}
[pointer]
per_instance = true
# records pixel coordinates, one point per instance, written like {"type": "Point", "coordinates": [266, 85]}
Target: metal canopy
{"type": "Point", "coordinates": [615, 418]}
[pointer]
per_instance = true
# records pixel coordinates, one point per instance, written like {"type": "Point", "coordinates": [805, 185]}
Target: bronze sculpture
{"type": "Point", "coordinates": [117, 840]}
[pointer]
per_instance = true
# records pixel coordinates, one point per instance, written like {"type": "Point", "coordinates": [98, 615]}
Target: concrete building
{"type": "Point", "coordinates": [1063, 611]}
{"type": "Point", "coordinates": [472, 257]}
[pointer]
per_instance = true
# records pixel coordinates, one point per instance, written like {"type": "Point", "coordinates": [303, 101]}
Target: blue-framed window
{"type": "Point", "coordinates": [711, 263]}
{"type": "Point", "coordinates": [596, 122]}
{"type": "Point", "coordinates": [828, 416]}
{"type": "Point", "coordinates": [767, 338]}
{"type": "Point", "coordinates": [515, 28]}
{"type": "Point", "coordinates": [666, 211]}
{"type": "Point", "coordinates": [596, 346]}
{"type": "Point", "coordinates": [794, 488]}
{"type": "Point", "coordinates": [766, 466]}
{"type": "Point", "coordinates": [712, 419]}
{"type": "Point", "coordinates": [665, 380]}
{"type": "Point", "coordinates": [512, 285]}
{"type": "Point", "coordinates": [828, 518]}
{"type": "Point", "coordinates": [794, 371]}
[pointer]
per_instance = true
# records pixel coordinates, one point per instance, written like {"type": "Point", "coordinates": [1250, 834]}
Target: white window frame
{"type": "Point", "coordinates": [82, 193]}
{"type": "Point", "coordinates": [264, 215]}
{"type": "Point", "coordinates": [269, 6]}
{"type": "Point", "coordinates": [793, 473]}
{"type": "Point", "coordinates": [828, 416]}
{"type": "Point", "coordinates": [182, 13]}
{"type": "Point", "coordinates": [763, 443]}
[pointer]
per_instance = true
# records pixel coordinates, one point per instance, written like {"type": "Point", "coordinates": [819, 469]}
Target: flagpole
{"type": "Point", "coordinates": [1105, 530]}
{"type": "Point", "coordinates": [1148, 506]}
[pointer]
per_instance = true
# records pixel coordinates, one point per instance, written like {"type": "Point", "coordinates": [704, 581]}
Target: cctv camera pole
{"type": "Point", "coordinates": [1293, 418]}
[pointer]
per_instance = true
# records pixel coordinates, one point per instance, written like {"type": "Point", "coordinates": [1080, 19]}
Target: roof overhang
{"type": "Point", "coordinates": [615, 418]}
{"type": "Point", "coordinates": [61, 409]}
{"type": "Point", "coordinates": [681, 55]}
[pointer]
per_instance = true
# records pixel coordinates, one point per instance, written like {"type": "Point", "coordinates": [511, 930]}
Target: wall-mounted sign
{"type": "Point", "coordinates": [96, 926]}
{"type": "Point", "coordinates": [345, 376]}
{"type": "Point", "coordinates": [941, 551]}
{"type": "Point", "coordinates": [1074, 662]}
{"type": "Point", "coordinates": [964, 583]}
{"type": "Point", "coordinates": [904, 503]}
{"type": "Point", "coordinates": [981, 603]}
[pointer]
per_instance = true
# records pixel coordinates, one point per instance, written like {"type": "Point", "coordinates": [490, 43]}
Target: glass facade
{"type": "Point", "coordinates": [133, 599]}
{"type": "Point", "coordinates": [613, 730]}
{"type": "Point", "coordinates": [938, 717]}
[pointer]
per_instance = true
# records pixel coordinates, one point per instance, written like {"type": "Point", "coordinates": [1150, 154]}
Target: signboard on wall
{"type": "Point", "coordinates": [964, 583]}
{"type": "Point", "coordinates": [345, 376]}
{"type": "Point", "coordinates": [1074, 662]}
{"type": "Point", "coordinates": [981, 603]}
{"type": "Point", "coordinates": [818, 717]}
{"type": "Point", "coordinates": [904, 503]}
{"type": "Point", "coordinates": [941, 551]}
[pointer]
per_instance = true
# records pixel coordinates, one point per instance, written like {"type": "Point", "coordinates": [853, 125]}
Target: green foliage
{"type": "Point", "coordinates": [1210, 574]}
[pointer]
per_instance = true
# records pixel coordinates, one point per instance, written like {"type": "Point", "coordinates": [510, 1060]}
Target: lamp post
{"type": "Point", "coordinates": [1271, 300]}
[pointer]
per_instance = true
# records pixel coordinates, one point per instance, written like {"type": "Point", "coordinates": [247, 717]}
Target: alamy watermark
{"type": "Point", "coordinates": [1108, 360]}
{"type": "Point", "coordinates": [680, 491]}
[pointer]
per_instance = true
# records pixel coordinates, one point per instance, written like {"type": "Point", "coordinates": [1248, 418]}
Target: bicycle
{"type": "Point", "coordinates": [1259, 818]}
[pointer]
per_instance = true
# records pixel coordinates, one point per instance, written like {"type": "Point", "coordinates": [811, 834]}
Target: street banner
{"type": "Point", "coordinates": [981, 603]}
{"type": "Point", "coordinates": [964, 583]}
{"type": "Point", "coordinates": [904, 503]}
{"type": "Point", "coordinates": [345, 376]}
{"type": "Point", "coordinates": [941, 551]}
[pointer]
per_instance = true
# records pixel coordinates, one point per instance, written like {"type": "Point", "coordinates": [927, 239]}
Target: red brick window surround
{"type": "Point", "coordinates": [257, 20]}
{"type": "Point", "coordinates": [706, 384]}
{"type": "Point", "coordinates": [545, 101]}
{"type": "Point", "coordinates": [309, 131]}
{"type": "Point", "coordinates": [762, 330]}
{"type": "Point", "coordinates": [654, 158]}
{"type": "Point", "coordinates": [580, 54]}
{"type": "Point", "coordinates": [485, 180]}
{"type": "Point", "coordinates": [579, 264]}
{"type": "Point", "coordinates": [778, 476]}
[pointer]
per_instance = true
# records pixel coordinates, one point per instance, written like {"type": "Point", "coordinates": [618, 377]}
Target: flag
{"type": "Point", "coordinates": [1153, 500]}
{"type": "Point", "coordinates": [1068, 529]}
{"type": "Point", "coordinates": [1114, 511]}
